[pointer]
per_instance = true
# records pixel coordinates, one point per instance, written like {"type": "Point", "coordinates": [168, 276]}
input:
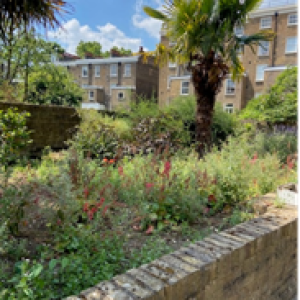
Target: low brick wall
{"type": "Point", "coordinates": [255, 260]}
{"type": "Point", "coordinates": [50, 125]}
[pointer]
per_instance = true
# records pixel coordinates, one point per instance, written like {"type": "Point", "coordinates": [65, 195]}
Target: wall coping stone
{"type": "Point", "coordinates": [185, 272]}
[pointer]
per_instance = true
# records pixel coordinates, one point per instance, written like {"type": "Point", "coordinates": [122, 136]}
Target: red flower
{"type": "Point", "coordinates": [111, 161]}
{"type": "Point", "coordinates": [254, 158]}
{"type": "Point", "coordinates": [99, 204]}
{"type": "Point", "coordinates": [94, 209]}
{"type": "Point", "coordinates": [104, 210]}
{"type": "Point", "coordinates": [167, 168]}
{"type": "Point", "coordinates": [212, 198]}
{"type": "Point", "coordinates": [86, 207]}
{"type": "Point", "coordinates": [86, 192]}
{"type": "Point", "coordinates": [90, 215]}
{"type": "Point", "coordinates": [105, 160]}
{"type": "Point", "coordinates": [36, 200]}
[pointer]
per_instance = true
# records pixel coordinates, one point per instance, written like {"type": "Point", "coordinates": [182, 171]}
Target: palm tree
{"type": "Point", "coordinates": [204, 36]}
{"type": "Point", "coordinates": [30, 12]}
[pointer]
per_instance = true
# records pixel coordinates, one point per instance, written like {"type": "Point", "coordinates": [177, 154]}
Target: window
{"type": "Point", "coordinates": [257, 94]}
{"type": "Point", "coordinates": [266, 22]}
{"type": "Point", "coordinates": [228, 108]}
{"type": "Point", "coordinates": [230, 87]}
{"type": "Point", "coordinates": [260, 71]}
{"type": "Point", "coordinates": [291, 45]}
{"type": "Point", "coordinates": [121, 96]}
{"type": "Point", "coordinates": [53, 58]}
{"type": "Point", "coordinates": [127, 70]}
{"type": "Point", "coordinates": [239, 30]}
{"type": "Point", "coordinates": [185, 87]}
{"type": "Point", "coordinates": [97, 71]}
{"type": "Point", "coordinates": [91, 95]}
{"type": "Point", "coordinates": [292, 19]}
{"type": "Point", "coordinates": [113, 70]}
{"type": "Point", "coordinates": [263, 48]}
{"type": "Point", "coordinates": [84, 71]}
{"type": "Point", "coordinates": [172, 65]}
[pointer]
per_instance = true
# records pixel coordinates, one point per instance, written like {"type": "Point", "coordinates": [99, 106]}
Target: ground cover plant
{"type": "Point", "coordinates": [66, 216]}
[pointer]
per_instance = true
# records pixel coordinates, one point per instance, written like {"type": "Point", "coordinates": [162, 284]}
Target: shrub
{"type": "Point", "coordinates": [279, 105]}
{"type": "Point", "coordinates": [156, 134]}
{"type": "Point", "coordinates": [14, 137]}
{"type": "Point", "coordinates": [184, 108]}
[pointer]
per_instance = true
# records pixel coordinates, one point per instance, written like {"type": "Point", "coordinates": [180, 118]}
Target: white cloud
{"type": "Point", "coordinates": [108, 36]}
{"type": "Point", "coordinates": [142, 21]}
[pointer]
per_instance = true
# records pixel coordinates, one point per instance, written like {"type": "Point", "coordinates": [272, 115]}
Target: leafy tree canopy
{"type": "Point", "coordinates": [95, 48]}
{"type": "Point", "coordinates": [279, 105]}
{"type": "Point", "coordinates": [51, 84]}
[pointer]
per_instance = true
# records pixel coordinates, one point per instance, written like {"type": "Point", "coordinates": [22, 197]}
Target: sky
{"type": "Point", "coordinates": [119, 23]}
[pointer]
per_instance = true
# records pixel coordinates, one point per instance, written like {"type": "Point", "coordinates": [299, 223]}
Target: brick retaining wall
{"type": "Point", "coordinates": [255, 260]}
{"type": "Point", "coordinates": [51, 125]}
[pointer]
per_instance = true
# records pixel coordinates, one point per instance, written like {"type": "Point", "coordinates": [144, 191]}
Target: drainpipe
{"type": "Point", "coordinates": [119, 82]}
{"type": "Point", "coordinates": [275, 40]}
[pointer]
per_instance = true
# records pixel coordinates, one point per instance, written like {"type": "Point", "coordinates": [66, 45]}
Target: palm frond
{"type": "Point", "coordinates": [154, 13]}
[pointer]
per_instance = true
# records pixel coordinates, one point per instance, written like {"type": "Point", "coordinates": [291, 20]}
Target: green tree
{"type": "Point", "coordinates": [23, 51]}
{"type": "Point", "coordinates": [204, 36]}
{"type": "Point", "coordinates": [51, 84]}
{"type": "Point", "coordinates": [124, 52]}
{"type": "Point", "coordinates": [279, 105]}
{"type": "Point", "coordinates": [92, 47]}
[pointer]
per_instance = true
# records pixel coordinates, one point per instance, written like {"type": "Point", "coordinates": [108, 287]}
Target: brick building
{"type": "Point", "coordinates": [114, 81]}
{"type": "Point", "coordinates": [261, 67]}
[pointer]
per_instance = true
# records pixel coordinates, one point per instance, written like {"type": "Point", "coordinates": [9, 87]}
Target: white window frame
{"type": "Point", "coordinates": [182, 87]}
{"type": "Point", "coordinates": [259, 79]}
{"type": "Point", "coordinates": [121, 98]}
{"type": "Point", "coordinates": [97, 71]}
{"type": "Point", "coordinates": [228, 88]}
{"type": "Point", "coordinates": [229, 108]}
{"type": "Point", "coordinates": [269, 24]}
{"type": "Point", "coordinates": [291, 16]}
{"type": "Point", "coordinates": [53, 58]}
{"type": "Point", "coordinates": [93, 97]}
{"type": "Point", "coordinates": [172, 65]}
{"type": "Point", "coordinates": [111, 69]}
{"type": "Point", "coordinates": [296, 44]}
{"type": "Point", "coordinates": [126, 68]}
{"type": "Point", "coordinates": [265, 49]}
{"type": "Point", "coordinates": [84, 68]}
{"type": "Point", "coordinates": [239, 30]}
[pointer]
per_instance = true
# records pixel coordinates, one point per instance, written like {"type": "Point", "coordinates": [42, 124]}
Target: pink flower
{"type": "Point", "coordinates": [149, 185]}
{"type": "Point", "coordinates": [206, 210]}
{"type": "Point", "coordinates": [150, 229]}
{"type": "Point", "coordinates": [167, 168]}
{"type": "Point", "coordinates": [254, 158]}
{"type": "Point", "coordinates": [90, 215]}
{"type": "Point", "coordinates": [120, 170]}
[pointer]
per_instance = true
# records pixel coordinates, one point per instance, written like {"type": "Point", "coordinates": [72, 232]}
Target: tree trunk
{"type": "Point", "coordinates": [204, 115]}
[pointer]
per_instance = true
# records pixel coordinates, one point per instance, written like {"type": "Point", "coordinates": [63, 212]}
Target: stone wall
{"type": "Point", "coordinates": [255, 260]}
{"type": "Point", "coordinates": [50, 125]}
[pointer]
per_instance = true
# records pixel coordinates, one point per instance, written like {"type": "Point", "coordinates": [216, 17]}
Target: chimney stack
{"type": "Point", "coordinates": [141, 49]}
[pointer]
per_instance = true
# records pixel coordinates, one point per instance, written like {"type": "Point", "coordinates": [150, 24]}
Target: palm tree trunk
{"type": "Point", "coordinates": [204, 115]}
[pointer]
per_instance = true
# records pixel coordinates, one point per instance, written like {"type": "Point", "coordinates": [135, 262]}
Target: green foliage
{"type": "Point", "coordinates": [96, 49]}
{"type": "Point", "coordinates": [279, 105]}
{"type": "Point", "coordinates": [91, 47]}
{"type": "Point", "coordinates": [51, 84]}
{"type": "Point", "coordinates": [14, 138]}
{"type": "Point", "coordinates": [184, 108]}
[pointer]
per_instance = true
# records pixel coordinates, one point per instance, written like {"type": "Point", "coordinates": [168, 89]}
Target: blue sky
{"type": "Point", "coordinates": [119, 23]}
